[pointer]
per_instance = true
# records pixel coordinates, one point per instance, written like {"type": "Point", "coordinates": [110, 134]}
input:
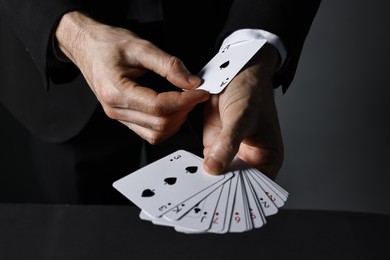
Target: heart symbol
{"type": "Point", "coordinates": [170, 181]}
{"type": "Point", "coordinates": [192, 169]}
{"type": "Point", "coordinates": [224, 65]}
{"type": "Point", "coordinates": [147, 193]}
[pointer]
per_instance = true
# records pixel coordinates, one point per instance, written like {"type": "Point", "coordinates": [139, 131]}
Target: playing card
{"type": "Point", "coordinates": [198, 219]}
{"type": "Point", "coordinates": [257, 215]}
{"type": "Point", "coordinates": [175, 192]}
{"type": "Point", "coordinates": [163, 184]}
{"type": "Point", "coordinates": [267, 205]}
{"type": "Point", "coordinates": [180, 210]}
{"type": "Point", "coordinates": [229, 202]}
{"type": "Point", "coordinates": [225, 65]}
{"type": "Point", "coordinates": [277, 197]}
{"type": "Point", "coordinates": [274, 185]}
{"type": "Point", "coordinates": [239, 220]}
{"type": "Point", "coordinates": [221, 211]}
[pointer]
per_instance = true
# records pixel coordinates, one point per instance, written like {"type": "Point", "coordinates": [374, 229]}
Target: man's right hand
{"type": "Point", "coordinates": [111, 59]}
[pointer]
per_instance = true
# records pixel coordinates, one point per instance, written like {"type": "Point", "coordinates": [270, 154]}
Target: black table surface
{"type": "Point", "coordinates": [34, 231]}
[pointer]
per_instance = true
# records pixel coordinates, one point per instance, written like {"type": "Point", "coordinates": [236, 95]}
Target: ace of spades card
{"type": "Point", "coordinates": [224, 66]}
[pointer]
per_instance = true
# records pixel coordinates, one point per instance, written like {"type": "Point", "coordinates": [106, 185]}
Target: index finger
{"type": "Point", "coordinates": [168, 66]}
{"type": "Point", "coordinates": [149, 101]}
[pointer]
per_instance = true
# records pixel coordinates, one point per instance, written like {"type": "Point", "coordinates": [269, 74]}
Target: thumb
{"type": "Point", "coordinates": [221, 153]}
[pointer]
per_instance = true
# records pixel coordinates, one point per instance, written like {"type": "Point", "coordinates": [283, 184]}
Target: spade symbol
{"type": "Point", "coordinates": [147, 193]}
{"type": "Point", "coordinates": [224, 65]}
{"type": "Point", "coordinates": [170, 181]}
{"type": "Point", "coordinates": [224, 82]}
{"type": "Point", "coordinates": [192, 169]}
{"type": "Point", "coordinates": [226, 48]}
{"type": "Point", "coordinates": [196, 210]}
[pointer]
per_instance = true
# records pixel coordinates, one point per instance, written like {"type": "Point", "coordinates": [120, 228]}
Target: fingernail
{"type": "Point", "coordinates": [195, 80]}
{"type": "Point", "coordinates": [213, 166]}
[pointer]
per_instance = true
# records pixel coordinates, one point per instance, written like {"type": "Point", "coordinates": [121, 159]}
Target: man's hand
{"type": "Point", "coordinates": [243, 121]}
{"type": "Point", "coordinates": [111, 59]}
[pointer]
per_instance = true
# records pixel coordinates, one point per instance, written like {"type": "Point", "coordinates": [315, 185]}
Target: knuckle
{"type": "Point", "coordinates": [110, 97]}
{"type": "Point", "coordinates": [110, 112]}
{"type": "Point", "coordinates": [226, 144]}
{"type": "Point", "coordinates": [171, 63]}
{"type": "Point", "coordinates": [156, 109]}
{"type": "Point", "coordinates": [175, 61]}
{"type": "Point", "coordinates": [154, 138]}
{"type": "Point", "coordinates": [160, 124]}
{"type": "Point", "coordinates": [147, 45]}
{"type": "Point", "coordinates": [143, 46]}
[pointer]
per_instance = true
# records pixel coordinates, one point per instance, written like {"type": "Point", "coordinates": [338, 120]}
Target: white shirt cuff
{"type": "Point", "coordinates": [257, 34]}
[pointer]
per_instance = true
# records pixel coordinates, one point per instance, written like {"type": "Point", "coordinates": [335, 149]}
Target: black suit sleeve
{"type": "Point", "coordinates": [33, 22]}
{"type": "Point", "coordinates": [289, 19]}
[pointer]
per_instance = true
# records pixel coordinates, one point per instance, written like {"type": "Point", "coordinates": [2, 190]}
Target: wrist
{"type": "Point", "coordinates": [266, 62]}
{"type": "Point", "coordinates": [269, 58]}
{"type": "Point", "coordinates": [70, 33]}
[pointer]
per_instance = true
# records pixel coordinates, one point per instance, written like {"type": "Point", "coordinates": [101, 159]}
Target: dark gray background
{"type": "Point", "coordinates": [334, 117]}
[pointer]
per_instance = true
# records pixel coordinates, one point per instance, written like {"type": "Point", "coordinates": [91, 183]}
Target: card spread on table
{"type": "Point", "coordinates": [225, 65]}
{"type": "Point", "coordinates": [156, 186]}
{"type": "Point", "coordinates": [175, 191]}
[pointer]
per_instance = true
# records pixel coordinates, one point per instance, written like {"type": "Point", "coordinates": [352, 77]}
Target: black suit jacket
{"type": "Point", "coordinates": [52, 99]}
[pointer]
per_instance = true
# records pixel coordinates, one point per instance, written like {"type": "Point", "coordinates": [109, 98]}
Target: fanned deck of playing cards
{"type": "Point", "coordinates": [175, 191]}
